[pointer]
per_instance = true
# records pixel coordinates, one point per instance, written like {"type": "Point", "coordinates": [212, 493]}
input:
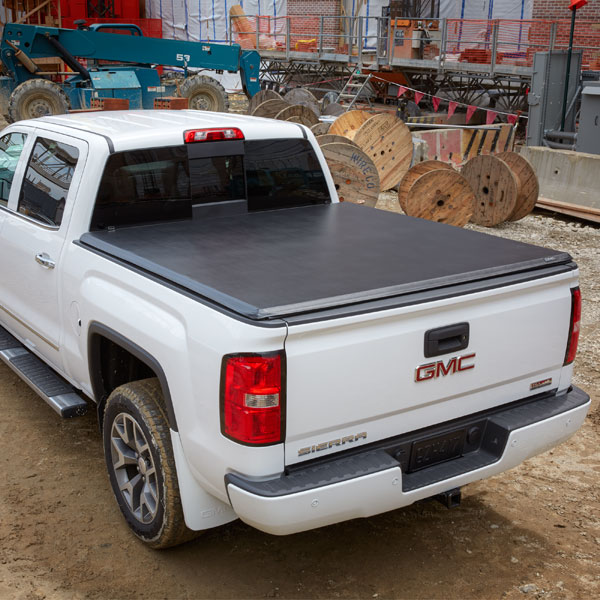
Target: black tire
{"type": "Point", "coordinates": [36, 98]}
{"type": "Point", "coordinates": [154, 513]}
{"type": "Point", "coordinates": [205, 93]}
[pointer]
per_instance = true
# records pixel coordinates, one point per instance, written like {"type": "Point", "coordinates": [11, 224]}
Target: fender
{"type": "Point", "coordinates": [94, 332]}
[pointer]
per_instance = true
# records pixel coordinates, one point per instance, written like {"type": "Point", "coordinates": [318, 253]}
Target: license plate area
{"type": "Point", "coordinates": [437, 449]}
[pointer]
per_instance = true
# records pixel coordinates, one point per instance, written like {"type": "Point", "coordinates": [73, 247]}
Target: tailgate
{"type": "Point", "coordinates": [355, 380]}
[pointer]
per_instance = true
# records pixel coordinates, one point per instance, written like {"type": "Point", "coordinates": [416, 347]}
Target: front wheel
{"type": "Point", "coordinates": [36, 98]}
{"type": "Point", "coordinates": [140, 463]}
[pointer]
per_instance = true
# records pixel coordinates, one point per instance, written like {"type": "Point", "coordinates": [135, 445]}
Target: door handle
{"type": "Point", "coordinates": [43, 259]}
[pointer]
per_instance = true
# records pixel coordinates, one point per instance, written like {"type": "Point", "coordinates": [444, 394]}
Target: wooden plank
{"type": "Point", "coordinates": [573, 210]}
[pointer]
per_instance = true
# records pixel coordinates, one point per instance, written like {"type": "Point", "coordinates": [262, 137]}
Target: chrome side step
{"type": "Point", "coordinates": [52, 388]}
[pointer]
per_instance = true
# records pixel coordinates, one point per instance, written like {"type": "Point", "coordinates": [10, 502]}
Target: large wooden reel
{"type": "Point", "coordinates": [388, 142]}
{"type": "Point", "coordinates": [527, 184]}
{"type": "Point", "coordinates": [330, 138]}
{"type": "Point", "coordinates": [349, 123]}
{"type": "Point", "coordinates": [353, 172]}
{"type": "Point", "coordinates": [303, 97]}
{"type": "Point", "coordinates": [270, 108]}
{"type": "Point", "coordinates": [414, 173]}
{"type": "Point", "coordinates": [303, 115]}
{"type": "Point", "coordinates": [442, 195]}
{"type": "Point", "coordinates": [261, 97]}
{"type": "Point", "coordinates": [495, 188]}
{"type": "Point", "coordinates": [320, 128]}
{"type": "Point", "coordinates": [334, 109]}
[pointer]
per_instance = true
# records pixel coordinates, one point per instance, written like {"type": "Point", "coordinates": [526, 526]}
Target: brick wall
{"type": "Point", "coordinates": [558, 9]}
{"type": "Point", "coordinates": [587, 27]}
{"type": "Point", "coordinates": [305, 17]}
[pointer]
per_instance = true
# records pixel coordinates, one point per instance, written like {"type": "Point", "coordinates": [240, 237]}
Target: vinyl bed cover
{"type": "Point", "coordinates": [275, 264]}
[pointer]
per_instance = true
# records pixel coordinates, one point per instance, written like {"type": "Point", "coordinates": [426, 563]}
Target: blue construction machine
{"type": "Point", "coordinates": [117, 65]}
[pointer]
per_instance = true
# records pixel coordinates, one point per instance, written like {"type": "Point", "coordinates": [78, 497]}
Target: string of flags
{"type": "Point", "coordinates": [452, 105]}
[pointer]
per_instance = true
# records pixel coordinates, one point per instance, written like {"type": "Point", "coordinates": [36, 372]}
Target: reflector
{"type": "Point", "coordinates": [573, 340]}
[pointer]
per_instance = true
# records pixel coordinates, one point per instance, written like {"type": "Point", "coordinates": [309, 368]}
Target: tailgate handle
{"type": "Point", "coordinates": [443, 340]}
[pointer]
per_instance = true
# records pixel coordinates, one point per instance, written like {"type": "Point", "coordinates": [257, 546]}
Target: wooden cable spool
{"type": "Point", "coordinates": [441, 195]}
{"type": "Point", "coordinates": [320, 128]}
{"type": "Point", "coordinates": [354, 174]}
{"type": "Point", "coordinates": [388, 142]}
{"type": "Point", "coordinates": [304, 97]}
{"type": "Point", "coordinates": [270, 108]}
{"type": "Point", "coordinates": [306, 115]}
{"type": "Point", "coordinates": [349, 123]}
{"type": "Point", "coordinates": [414, 173]}
{"type": "Point", "coordinates": [333, 109]}
{"type": "Point", "coordinates": [261, 97]}
{"type": "Point", "coordinates": [528, 188]}
{"type": "Point", "coordinates": [295, 120]}
{"type": "Point", "coordinates": [495, 187]}
{"type": "Point", "coordinates": [329, 138]}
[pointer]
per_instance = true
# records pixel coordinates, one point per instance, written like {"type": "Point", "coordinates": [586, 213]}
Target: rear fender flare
{"type": "Point", "coordinates": [97, 330]}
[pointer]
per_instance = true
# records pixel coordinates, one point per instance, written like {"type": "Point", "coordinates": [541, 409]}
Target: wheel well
{"type": "Point", "coordinates": [114, 361]}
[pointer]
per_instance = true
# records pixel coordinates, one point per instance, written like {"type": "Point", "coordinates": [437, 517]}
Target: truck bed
{"type": "Point", "coordinates": [276, 264]}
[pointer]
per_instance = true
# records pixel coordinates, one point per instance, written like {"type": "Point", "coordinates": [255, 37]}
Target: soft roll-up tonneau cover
{"type": "Point", "coordinates": [275, 264]}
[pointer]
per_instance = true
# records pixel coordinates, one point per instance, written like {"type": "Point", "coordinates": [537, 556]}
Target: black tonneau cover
{"type": "Point", "coordinates": [275, 264]}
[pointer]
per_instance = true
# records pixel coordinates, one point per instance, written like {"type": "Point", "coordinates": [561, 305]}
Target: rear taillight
{"type": "Point", "coordinates": [574, 327]}
{"type": "Point", "coordinates": [212, 134]}
{"type": "Point", "coordinates": [252, 398]}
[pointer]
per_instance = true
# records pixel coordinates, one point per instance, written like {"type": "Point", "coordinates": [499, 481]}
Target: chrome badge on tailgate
{"type": "Point", "coordinates": [439, 368]}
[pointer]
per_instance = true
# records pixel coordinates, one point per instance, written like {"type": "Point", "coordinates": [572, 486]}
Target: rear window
{"type": "Point", "coordinates": [182, 182]}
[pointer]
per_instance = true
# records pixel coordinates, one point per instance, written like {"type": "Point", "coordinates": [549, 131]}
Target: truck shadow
{"type": "Point", "coordinates": [61, 530]}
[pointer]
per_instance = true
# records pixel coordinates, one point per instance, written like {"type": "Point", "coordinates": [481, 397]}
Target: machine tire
{"type": "Point", "coordinates": [36, 98]}
{"type": "Point", "coordinates": [205, 93]}
{"type": "Point", "coordinates": [152, 507]}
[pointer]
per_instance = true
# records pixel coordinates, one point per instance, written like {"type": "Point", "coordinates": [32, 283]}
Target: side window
{"type": "Point", "coordinates": [11, 146]}
{"type": "Point", "coordinates": [47, 181]}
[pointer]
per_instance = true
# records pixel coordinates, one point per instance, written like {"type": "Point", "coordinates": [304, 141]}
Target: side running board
{"type": "Point", "coordinates": [40, 377]}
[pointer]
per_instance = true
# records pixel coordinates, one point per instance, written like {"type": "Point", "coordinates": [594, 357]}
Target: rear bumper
{"type": "Point", "coordinates": [379, 478]}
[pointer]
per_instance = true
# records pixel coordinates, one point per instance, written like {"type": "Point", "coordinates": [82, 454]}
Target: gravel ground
{"type": "Point", "coordinates": [533, 532]}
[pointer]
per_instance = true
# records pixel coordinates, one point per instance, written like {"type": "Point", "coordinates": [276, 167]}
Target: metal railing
{"type": "Point", "coordinates": [499, 45]}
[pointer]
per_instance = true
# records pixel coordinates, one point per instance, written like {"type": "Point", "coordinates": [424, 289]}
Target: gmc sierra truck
{"type": "Point", "coordinates": [256, 349]}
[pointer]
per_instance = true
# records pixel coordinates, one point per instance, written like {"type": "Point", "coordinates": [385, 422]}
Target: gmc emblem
{"type": "Point", "coordinates": [440, 369]}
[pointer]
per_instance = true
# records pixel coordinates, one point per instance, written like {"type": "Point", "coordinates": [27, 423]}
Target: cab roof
{"type": "Point", "coordinates": [132, 129]}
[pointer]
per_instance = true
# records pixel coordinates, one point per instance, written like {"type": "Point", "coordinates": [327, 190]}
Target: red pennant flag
{"type": "Point", "coordinates": [436, 103]}
{"type": "Point", "coordinates": [418, 97]}
{"type": "Point", "coordinates": [512, 119]}
{"type": "Point", "coordinates": [470, 111]}
{"type": "Point", "coordinates": [401, 90]}
{"type": "Point", "coordinates": [490, 117]}
{"type": "Point", "coordinates": [451, 107]}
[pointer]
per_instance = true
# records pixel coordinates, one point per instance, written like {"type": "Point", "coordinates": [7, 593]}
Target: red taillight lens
{"type": "Point", "coordinates": [252, 398]}
{"type": "Point", "coordinates": [213, 134]}
{"type": "Point", "coordinates": [575, 325]}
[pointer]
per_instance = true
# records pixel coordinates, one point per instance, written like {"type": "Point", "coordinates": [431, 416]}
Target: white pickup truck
{"type": "Point", "coordinates": [255, 349]}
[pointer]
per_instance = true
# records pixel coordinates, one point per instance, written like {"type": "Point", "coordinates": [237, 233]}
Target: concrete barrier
{"type": "Point", "coordinates": [566, 176]}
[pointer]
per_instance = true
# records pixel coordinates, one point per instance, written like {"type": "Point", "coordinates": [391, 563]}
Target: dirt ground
{"type": "Point", "coordinates": [533, 532]}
